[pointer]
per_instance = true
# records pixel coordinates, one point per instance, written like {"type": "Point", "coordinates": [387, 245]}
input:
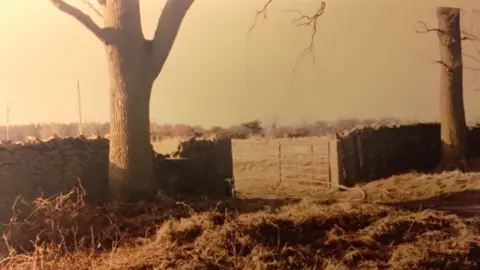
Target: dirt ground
{"type": "Point", "coordinates": [412, 221]}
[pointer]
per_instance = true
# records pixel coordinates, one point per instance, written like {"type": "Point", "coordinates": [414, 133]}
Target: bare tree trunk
{"type": "Point", "coordinates": [452, 113]}
{"type": "Point", "coordinates": [131, 176]}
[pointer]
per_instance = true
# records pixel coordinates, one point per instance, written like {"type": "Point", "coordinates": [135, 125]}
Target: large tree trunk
{"type": "Point", "coordinates": [131, 176]}
{"type": "Point", "coordinates": [133, 63]}
{"type": "Point", "coordinates": [452, 113]}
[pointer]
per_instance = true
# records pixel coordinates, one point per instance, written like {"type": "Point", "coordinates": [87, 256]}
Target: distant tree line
{"type": "Point", "coordinates": [159, 131]}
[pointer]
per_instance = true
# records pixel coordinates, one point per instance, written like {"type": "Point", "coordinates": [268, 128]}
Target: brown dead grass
{"type": "Point", "coordinates": [315, 233]}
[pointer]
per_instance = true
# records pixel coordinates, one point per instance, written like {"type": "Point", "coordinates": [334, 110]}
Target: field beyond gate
{"type": "Point", "coordinates": [299, 161]}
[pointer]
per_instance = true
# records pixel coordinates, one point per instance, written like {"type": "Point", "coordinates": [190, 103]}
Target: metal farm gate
{"type": "Point", "coordinates": [302, 161]}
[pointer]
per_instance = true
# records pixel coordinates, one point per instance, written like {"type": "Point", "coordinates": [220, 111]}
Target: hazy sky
{"type": "Point", "coordinates": [369, 63]}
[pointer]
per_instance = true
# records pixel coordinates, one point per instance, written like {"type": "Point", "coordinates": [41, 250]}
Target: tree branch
{"type": "Point", "coordinates": [302, 20]}
{"type": "Point", "coordinates": [167, 29]}
{"type": "Point", "coordinates": [92, 7]}
{"type": "Point", "coordinates": [465, 36]}
{"type": "Point", "coordinates": [469, 36]}
{"type": "Point", "coordinates": [310, 21]}
{"type": "Point", "coordinates": [426, 29]}
{"type": "Point", "coordinates": [260, 12]}
{"type": "Point", "coordinates": [442, 63]}
{"type": "Point", "coordinates": [82, 18]}
{"type": "Point", "coordinates": [473, 58]}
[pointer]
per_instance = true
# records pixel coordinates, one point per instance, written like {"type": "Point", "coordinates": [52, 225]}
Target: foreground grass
{"type": "Point", "coordinates": [64, 233]}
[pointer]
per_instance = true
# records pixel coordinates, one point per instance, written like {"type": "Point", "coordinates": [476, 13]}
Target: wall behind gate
{"type": "Point", "coordinates": [371, 153]}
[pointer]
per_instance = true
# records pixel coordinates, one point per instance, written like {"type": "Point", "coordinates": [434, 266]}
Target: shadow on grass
{"type": "Point", "coordinates": [444, 260]}
{"type": "Point", "coordinates": [65, 218]}
{"type": "Point", "coordinates": [186, 207]}
{"type": "Point", "coordinates": [464, 203]}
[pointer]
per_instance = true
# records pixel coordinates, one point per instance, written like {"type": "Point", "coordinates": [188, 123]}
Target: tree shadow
{"type": "Point", "coordinates": [444, 260]}
{"type": "Point", "coordinates": [186, 207]}
{"type": "Point", "coordinates": [463, 203]}
{"type": "Point", "coordinates": [252, 205]}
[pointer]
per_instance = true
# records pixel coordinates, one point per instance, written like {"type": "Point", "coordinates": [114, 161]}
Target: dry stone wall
{"type": "Point", "coordinates": [57, 165]}
{"type": "Point", "coordinates": [198, 167]}
{"type": "Point", "coordinates": [370, 153]}
{"type": "Point", "coordinates": [47, 168]}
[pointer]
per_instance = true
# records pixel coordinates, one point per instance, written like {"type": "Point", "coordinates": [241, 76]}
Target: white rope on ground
{"type": "Point", "coordinates": [343, 187]}
{"type": "Point", "coordinates": [359, 189]}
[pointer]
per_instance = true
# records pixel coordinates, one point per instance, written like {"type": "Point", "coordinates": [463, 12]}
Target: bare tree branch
{"type": "Point", "coordinates": [82, 18]}
{"type": "Point", "coordinates": [92, 7]}
{"type": "Point", "coordinates": [425, 29]}
{"type": "Point", "coordinates": [469, 36]}
{"type": "Point", "coordinates": [465, 36]}
{"type": "Point", "coordinates": [301, 20]}
{"type": "Point", "coordinates": [167, 29]}
{"type": "Point", "coordinates": [309, 21]}
{"type": "Point", "coordinates": [471, 57]}
{"type": "Point", "coordinates": [441, 63]}
{"type": "Point", "coordinates": [446, 66]}
{"type": "Point", "coordinates": [260, 12]}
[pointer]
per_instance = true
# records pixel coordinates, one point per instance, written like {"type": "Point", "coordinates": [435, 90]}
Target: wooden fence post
{"type": "Point", "coordinates": [312, 166]}
{"type": "Point", "coordinates": [336, 162]}
{"type": "Point", "coordinates": [280, 163]}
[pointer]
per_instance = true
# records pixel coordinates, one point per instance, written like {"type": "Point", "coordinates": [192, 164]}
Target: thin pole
{"type": "Point", "coordinates": [280, 163]}
{"type": "Point", "coordinates": [8, 123]}
{"type": "Point", "coordinates": [80, 128]}
{"type": "Point", "coordinates": [246, 66]}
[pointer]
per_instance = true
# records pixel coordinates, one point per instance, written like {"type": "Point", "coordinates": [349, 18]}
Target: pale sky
{"type": "Point", "coordinates": [369, 63]}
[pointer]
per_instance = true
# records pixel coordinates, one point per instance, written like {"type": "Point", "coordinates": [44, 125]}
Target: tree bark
{"type": "Point", "coordinates": [454, 136]}
{"type": "Point", "coordinates": [131, 176]}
